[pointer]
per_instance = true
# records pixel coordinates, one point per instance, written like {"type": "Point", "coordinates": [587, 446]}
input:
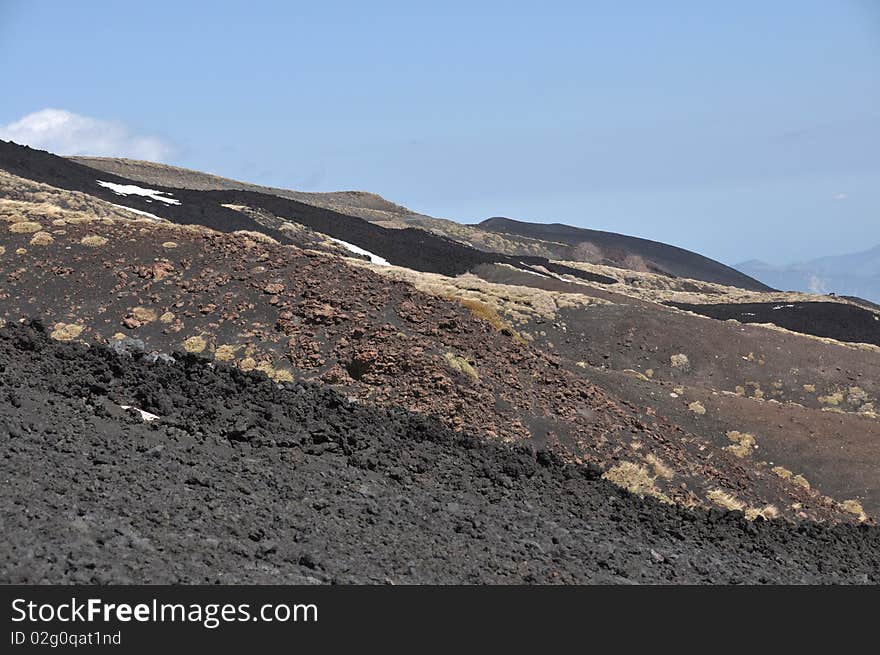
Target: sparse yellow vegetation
{"type": "Point", "coordinates": [801, 481]}
{"type": "Point", "coordinates": [25, 227]}
{"type": "Point", "coordinates": [66, 331]}
{"type": "Point", "coordinates": [660, 467]}
{"type": "Point", "coordinates": [144, 314]}
{"type": "Point", "coordinates": [680, 361]}
{"type": "Point", "coordinates": [854, 507]}
{"type": "Point", "coordinates": [93, 241]}
{"type": "Point", "coordinates": [226, 352]}
{"type": "Point", "coordinates": [635, 479]}
{"type": "Point", "coordinates": [461, 365]}
{"type": "Point", "coordinates": [41, 239]}
{"type": "Point", "coordinates": [810, 388]}
{"type": "Point", "coordinates": [697, 408]}
{"type": "Point", "coordinates": [636, 374]}
{"type": "Point", "coordinates": [247, 364]}
{"type": "Point", "coordinates": [486, 312]}
{"type": "Point", "coordinates": [167, 317]}
{"type": "Point", "coordinates": [833, 399]}
{"type": "Point", "coordinates": [785, 474]}
{"type": "Point", "coordinates": [276, 374]}
{"type": "Point", "coordinates": [768, 512]}
{"type": "Point", "coordinates": [782, 472]}
{"type": "Point", "coordinates": [726, 500]}
{"type": "Point", "coordinates": [743, 443]}
{"type": "Point", "coordinates": [195, 344]}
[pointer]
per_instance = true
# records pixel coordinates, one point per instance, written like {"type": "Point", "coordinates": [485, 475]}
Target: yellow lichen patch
{"type": "Point", "coordinates": [41, 239]}
{"type": "Point", "coordinates": [25, 227]}
{"type": "Point", "coordinates": [649, 373]}
{"type": "Point", "coordinates": [461, 365]}
{"type": "Point", "coordinates": [247, 364]}
{"type": "Point", "coordinates": [225, 353]}
{"type": "Point", "coordinates": [743, 443]}
{"type": "Point", "coordinates": [167, 317]}
{"type": "Point", "coordinates": [635, 479]}
{"type": "Point", "coordinates": [169, 245]}
{"type": "Point", "coordinates": [726, 500]}
{"type": "Point", "coordinates": [580, 364]}
{"type": "Point", "coordinates": [66, 331]}
{"type": "Point", "coordinates": [195, 344]}
{"type": "Point", "coordinates": [144, 314]}
{"type": "Point", "coordinates": [93, 241]}
{"type": "Point", "coordinates": [697, 408]}
{"type": "Point", "coordinates": [118, 336]}
{"type": "Point", "coordinates": [854, 507]}
{"type": "Point", "coordinates": [660, 467]}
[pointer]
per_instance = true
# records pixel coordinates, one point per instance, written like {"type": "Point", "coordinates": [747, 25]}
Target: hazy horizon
{"type": "Point", "coordinates": [742, 132]}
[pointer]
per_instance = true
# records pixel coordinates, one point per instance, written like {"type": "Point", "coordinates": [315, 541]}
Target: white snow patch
{"type": "Point", "coordinates": [360, 251]}
{"type": "Point", "coordinates": [783, 307]}
{"type": "Point", "coordinates": [138, 211]}
{"type": "Point", "coordinates": [531, 272]}
{"type": "Point", "coordinates": [144, 415]}
{"type": "Point", "coordinates": [132, 190]}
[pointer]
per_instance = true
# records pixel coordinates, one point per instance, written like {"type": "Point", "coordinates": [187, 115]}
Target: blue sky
{"type": "Point", "coordinates": [740, 130]}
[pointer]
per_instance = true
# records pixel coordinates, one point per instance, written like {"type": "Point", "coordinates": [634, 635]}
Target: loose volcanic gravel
{"type": "Point", "coordinates": [242, 480]}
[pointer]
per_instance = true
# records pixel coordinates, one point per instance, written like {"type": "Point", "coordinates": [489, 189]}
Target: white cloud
{"type": "Point", "coordinates": [840, 196]}
{"type": "Point", "coordinates": [65, 133]}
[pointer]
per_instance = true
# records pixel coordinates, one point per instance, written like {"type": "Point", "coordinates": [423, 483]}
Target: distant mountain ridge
{"type": "Point", "coordinates": [597, 246]}
{"type": "Point", "coordinates": [855, 274]}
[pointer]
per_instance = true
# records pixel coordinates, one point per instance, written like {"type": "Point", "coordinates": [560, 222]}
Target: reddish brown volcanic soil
{"type": "Point", "coordinates": [313, 317]}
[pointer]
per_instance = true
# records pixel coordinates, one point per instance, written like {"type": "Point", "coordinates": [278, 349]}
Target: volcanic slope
{"type": "Point", "coordinates": [241, 298]}
{"type": "Point", "coordinates": [843, 322]}
{"type": "Point", "coordinates": [335, 492]}
{"type": "Point", "coordinates": [722, 356]}
{"type": "Point", "coordinates": [412, 248]}
{"type": "Point", "coordinates": [494, 235]}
